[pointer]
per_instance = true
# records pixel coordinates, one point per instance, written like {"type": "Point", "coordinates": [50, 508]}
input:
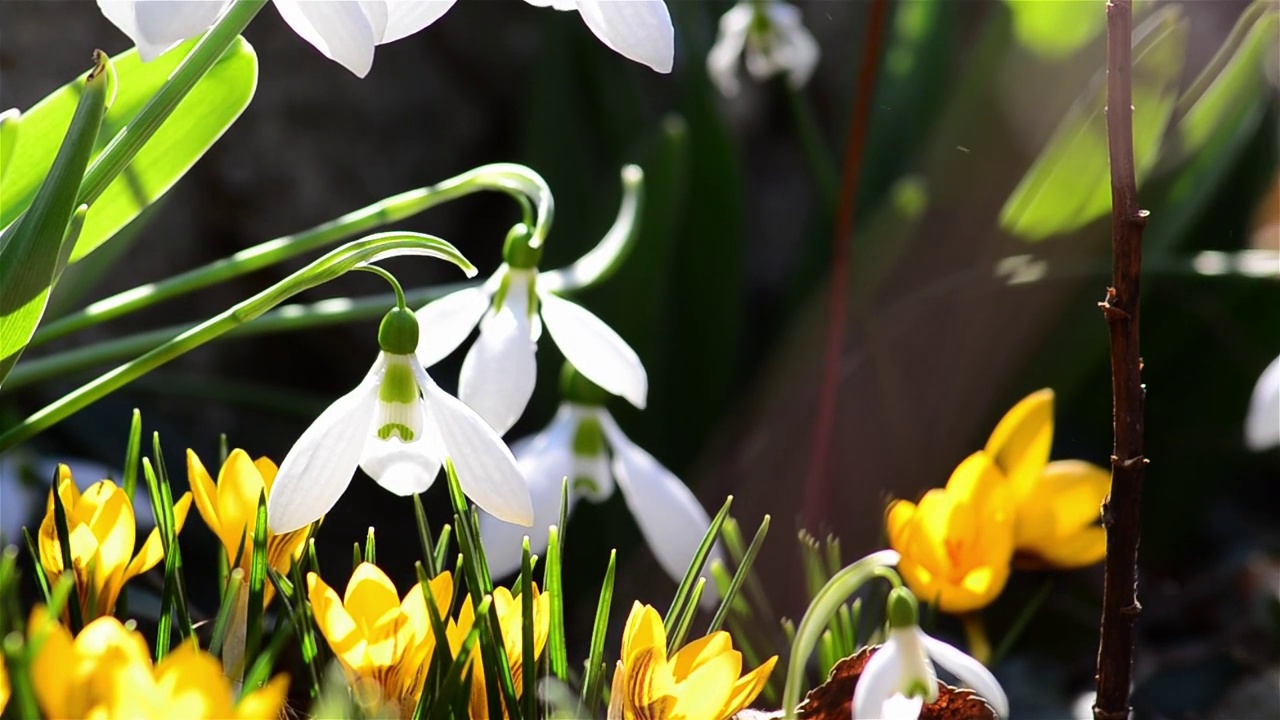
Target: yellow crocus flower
{"type": "Point", "coordinates": [511, 621]}
{"type": "Point", "coordinates": [384, 643]}
{"type": "Point", "coordinates": [1056, 504]}
{"type": "Point", "coordinates": [4, 685]}
{"type": "Point", "coordinates": [699, 682]}
{"type": "Point", "coordinates": [957, 543]}
{"type": "Point", "coordinates": [101, 525]}
{"type": "Point", "coordinates": [230, 506]}
{"type": "Point", "coordinates": [105, 672]}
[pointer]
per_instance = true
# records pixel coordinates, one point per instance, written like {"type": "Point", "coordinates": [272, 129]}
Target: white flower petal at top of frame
{"type": "Point", "coordinates": [1262, 424]}
{"type": "Point", "coordinates": [346, 31]}
{"type": "Point", "coordinates": [638, 30]}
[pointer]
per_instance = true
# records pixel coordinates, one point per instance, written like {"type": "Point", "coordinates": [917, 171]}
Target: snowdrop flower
{"type": "Point", "coordinates": [347, 31]}
{"type": "Point", "coordinates": [399, 427]}
{"type": "Point", "coordinates": [1262, 425]}
{"type": "Point", "coordinates": [775, 41]}
{"type": "Point", "coordinates": [585, 445]}
{"type": "Point", "coordinates": [499, 371]}
{"type": "Point", "coordinates": [899, 679]}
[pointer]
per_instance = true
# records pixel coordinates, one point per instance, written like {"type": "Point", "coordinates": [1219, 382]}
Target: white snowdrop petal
{"type": "Point", "coordinates": [1262, 424]}
{"type": "Point", "coordinates": [555, 4]}
{"type": "Point", "coordinates": [971, 673]}
{"type": "Point", "coordinates": [545, 471]}
{"type": "Point", "coordinates": [340, 29]}
{"type": "Point", "coordinates": [722, 60]}
{"type": "Point", "coordinates": [444, 324]}
{"type": "Point", "coordinates": [406, 17]}
{"type": "Point", "coordinates": [403, 468]}
{"type": "Point", "coordinates": [486, 469]}
{"type": "Point", "coordinates": [881, 679]}
{"type": "Point", "coordinates": [901, 707]}
{"type": "Point", "coordinates": [639, 30]}
{"type": "Point", "coordinates": [670, 517]}
{"type": "Point", "coordinates": [800, 54]}
{"type": "Point", "coordinates": [591, 346]}
{"type": "Point", "coordinates": [500, 369]}
{"type": "Point", "coordinates": [318, 469]}
{"type": "Point", "coordinates": [165, 23]}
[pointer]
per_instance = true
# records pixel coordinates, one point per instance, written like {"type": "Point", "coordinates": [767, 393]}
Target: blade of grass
{"type": "Point", "coordinates": [453, 680]}
{"type": "Point", "coordinates": [442, 546]}
{"type": "Point", "coordinates": [370, 548]}
{"type": "Point", "coordinates": [133, 451]}
{"type": "Point", "coordinates": [38, 568]}
{"type": "Point", "coordinates": [527, 658]}
{"type": "Point", "coordinates": [64, 544]}
{"type": "Point", "coordinates": [424, 537]}
{"type": "Point", "coordinates": [557, 652]}
{"type": "Point", "coordinates": [257, 581]}
{"type": "Point", "coordinates": [261, 669]}
{"type": "Point", "coordinates": [677, 608]}
{"type": "Point", "coordinates": [441, 655]}
{"type": "Point", "coordinates": [686, 618]}
{"type": "Point", "coordinates": [593, 681]}
{"type": "Point", "coordinates": [223, 618]}
{"type": "Point", "coordinates": [740, 576]}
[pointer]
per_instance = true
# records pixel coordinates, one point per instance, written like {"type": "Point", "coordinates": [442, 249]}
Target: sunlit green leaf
{"type": "Point", "coordinates": [1067, 186]}
{"type": "Point", "coordinates": [1233, 83]}
{"type": "Point", "coordinates": [33, 249]}
{"type": "Point", "coordinates": [1055, 28]}
{"type": "Point", "coordinates": [27, 150]}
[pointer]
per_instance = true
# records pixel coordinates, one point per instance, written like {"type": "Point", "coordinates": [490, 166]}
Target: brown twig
{"type": "Point", "coordinates": [842, 235]}
{"type": "Point", "coordinates": [1120, 308]}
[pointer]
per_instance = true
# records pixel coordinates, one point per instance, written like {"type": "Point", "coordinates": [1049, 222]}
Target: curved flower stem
{"type": "Point", "coordinates": [824, 606]}
{"type": "Point", "coordinates": [326, 268]}
{"type": "Point", "coordinates": [516, 180]}
{"type": "Point", "coordinates": [391, 280]}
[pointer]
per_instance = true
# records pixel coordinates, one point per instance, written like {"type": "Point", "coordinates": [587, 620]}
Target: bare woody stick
{"type": "Point", "coordinates": [1120, 308]}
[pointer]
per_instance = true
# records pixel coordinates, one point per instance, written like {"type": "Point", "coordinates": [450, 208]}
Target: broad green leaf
{"type": "Point", "coordinates": [8, 136]}
{"type": "Point", "coordinates": [1233, 83]}
{"type": "Point", "coordinates": [1055, 28]}
{"type": "Point", "coordinates": [1068, 185]}
{"type": "Point", "coordinates": [197, 122]}
{"type": "Point", "coordinates": [34, 249]}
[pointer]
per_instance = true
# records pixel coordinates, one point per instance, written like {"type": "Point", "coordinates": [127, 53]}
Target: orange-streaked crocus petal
{"type": "Point", "coordinates": [1021, 442]}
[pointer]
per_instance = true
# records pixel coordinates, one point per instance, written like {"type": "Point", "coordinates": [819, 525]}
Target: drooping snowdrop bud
{"type": "Point", "coordinates": [772, 35]}
{"type": "Point", "coordinates": [399, 427]}
{"type": "Point", "coordinates": [499, 371]}
{"type": "Point", "coordinates": [1262, 425]}
{"type": "Point", "coordinates": [899, 679]}
{"type": "Point", "coordinates": [584, 444]}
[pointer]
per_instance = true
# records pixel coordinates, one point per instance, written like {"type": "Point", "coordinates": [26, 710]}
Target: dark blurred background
{"type": "Point", "coordinates": [956, 306]}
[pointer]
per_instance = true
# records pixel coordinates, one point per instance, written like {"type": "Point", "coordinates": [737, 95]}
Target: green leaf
{"type": "Point", "coordinates": [198, 121]}
{"type": "Point", "coordinates": [1054, 28]}
{"type": "Point", "coordinates": [1068, 185]}
{"type": "Point", "coordinates": [1233, 83]}
{"type": "Point", "coordinates": [34, 248]}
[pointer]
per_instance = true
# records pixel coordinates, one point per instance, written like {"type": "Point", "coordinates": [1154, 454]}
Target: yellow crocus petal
{"type": "Point", "coordinates": [266, 702]}
{"type": "Point", "coordinates": [414, 605]}
{"type": "Point", "coordinates": [205, 493]}
{"type": "Point", "coordinates": [336, 624]}
{"type": "Point", "coordinates": [190, 684]}
{"type": "Point", "coordinates": [706, 690]}
{"type": "Point", "coordinates": [239, 487]}
{"type": "Point", "coordinates": [748, 688]}
{"type": "Point", "coordinates": [1021, 442]}
{"type": "Point", "coordinates": [644, 630]}
{"type": "Point", "coordinates": [692, 656]}
{"type": "Point", "coordinates": [650, 688]}
{"type": "Point", "coordinates": [370, 594]}
{"type": "Point", "coordinates": [49, 669]}
{"type": "Point", "coordinates": [1059, 521]}
{"type": "Point", "coordinates": [152, 551]}
{"type": "Point", "coordinates": [267, 469]}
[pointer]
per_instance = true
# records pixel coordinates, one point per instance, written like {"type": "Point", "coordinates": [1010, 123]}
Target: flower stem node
{"type": "Point", "coordinates": [518, 251]}
{"type": "Point", "coordinates": [398, 332]}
